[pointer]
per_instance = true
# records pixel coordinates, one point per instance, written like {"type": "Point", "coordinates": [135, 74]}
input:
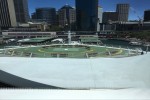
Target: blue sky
{"type": "Point", "coordinates": [108, 5]}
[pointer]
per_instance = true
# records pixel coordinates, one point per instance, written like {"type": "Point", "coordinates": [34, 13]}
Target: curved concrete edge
{"type": "Point", "coordinates": [102, 94]}
{"type": "Point", "coordinates": [137, 64]}
{"type": "Point", "coordinates": [19, 82]}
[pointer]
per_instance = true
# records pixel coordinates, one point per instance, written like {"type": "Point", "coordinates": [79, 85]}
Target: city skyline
{"type": "Point", "coordinates": [139, 6]}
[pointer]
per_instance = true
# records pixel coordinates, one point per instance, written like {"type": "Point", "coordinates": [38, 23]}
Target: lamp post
{"type": "Point", "coordinates": [1, 40]}
{"type": "Point", "coordinates": [66, 27]}
{"type": "Point", "coordinates": [147, 48]}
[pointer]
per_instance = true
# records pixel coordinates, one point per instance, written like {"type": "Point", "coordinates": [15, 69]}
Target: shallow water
{"type": "Point", "coordinates": [123, 44]}
{"type": "Point", "coordinates": [109, 42]}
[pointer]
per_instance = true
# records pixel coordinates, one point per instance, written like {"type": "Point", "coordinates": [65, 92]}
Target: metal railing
{"type": "Point", "coordinates": [110, 52]}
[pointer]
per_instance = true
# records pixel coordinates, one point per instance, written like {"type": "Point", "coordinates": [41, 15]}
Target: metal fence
{"type": "Point", "coordinates": [126, 52]}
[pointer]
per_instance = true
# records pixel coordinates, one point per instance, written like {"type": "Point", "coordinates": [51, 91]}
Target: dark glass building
{"type": "Point", "coordinates": [110, 16]}
{"type": "Point", "coordinates": [123, 12]}
{"type": "Point", "coordinates": [7, 14]}
{"type": "Point", "coordinates": [147, 15]}
{"type": "Point", "coordinates": [13, 12]}
{"type": "Point", "coordinates": [21, 10]}
{"type": "Point", "coordinates": [33, 16]}
{"type": "Point", "coordinates": [46, 14]}
{"type": "Point", "coordinates": [67, 16]}
{"type": "Point", "coordinates": [87, 15]}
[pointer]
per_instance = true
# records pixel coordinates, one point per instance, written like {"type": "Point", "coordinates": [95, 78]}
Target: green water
{"type": "Point", "coordinates": [123, 44]}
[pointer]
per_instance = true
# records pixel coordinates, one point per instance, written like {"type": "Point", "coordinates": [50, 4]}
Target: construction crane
{"type": "Point", "coordinates": [140, 19]}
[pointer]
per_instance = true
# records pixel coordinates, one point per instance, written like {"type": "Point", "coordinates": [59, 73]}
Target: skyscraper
{"type": "Point", "coordinates": [21, 10]}
{"type": "Point", "coordinates": [13, 12]}
{"type": "Point", "coordinates": [123, 12]}
{"type": "Point", "coordinates": [46, 14]}
{"type": "Point", "coordinates": [110, 16]}
{"type": "Point", "coordinates": [7, 14]}
{"type": "Point", "coordinates": [100, 17]}
{"type": "Point", "coordinates": [100, 14]}
{"type": "Point", "coordinates": [67, 16]}
{"type": "Point", "coordinates": [33, 16]}
{"type": "Point", "coordinates": [87, 15]}
{"type": "Point", "coordinates": [147, 15]}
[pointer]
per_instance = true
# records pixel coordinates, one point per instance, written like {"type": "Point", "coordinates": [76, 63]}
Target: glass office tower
{"type": "Point", "coordinates": [7, 14]}
{"type": "Point", "coordinates": [46, 14]}
{"type": "Point", "coordinates": [147, 15]}
{"type": "Point", "coordinates": [123, 12]}
{"type": "Point", "coordinates": [21, 10]}
{"type": "Point", "coordinates": [67, 16]}
{"type": "Point", "coordinates": [87, 15]}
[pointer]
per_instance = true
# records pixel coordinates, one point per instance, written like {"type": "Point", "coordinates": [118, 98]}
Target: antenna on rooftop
{"type": "Point", "coordinates": [140, 19]}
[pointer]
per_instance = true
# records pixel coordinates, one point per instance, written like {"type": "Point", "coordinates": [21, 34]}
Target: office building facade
{"type": "Point", "coordinates": [21, 10]}
{"type": "Point", "coordinates": [123, 12]}
{"type": "Point", "coordinates": [7, 14]}
{"type": "Point", "coordinates": [46, 14]}
{"type": "Point", "coordinates": [87, 15]}
{"type": "Point", "coordinates": [100, 14]}
{"type": "Point", "coordinates": [13, 12]}
{"type": "Point", "coordinates": [147, 15]}
{"type": "Point", "coordinates": [109, 17]}
{"type": "Point", "coordinates": [67, 16]}
{"type": "Point", "coordinates": [100, 17]}
{"type": "Point", "coordinates": [33, 15]}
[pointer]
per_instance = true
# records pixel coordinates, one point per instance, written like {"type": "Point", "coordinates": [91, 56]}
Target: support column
{"type": "Point", "coordinates": [87, 55]}
{"type": "Point", "coordinates": [31, 55]}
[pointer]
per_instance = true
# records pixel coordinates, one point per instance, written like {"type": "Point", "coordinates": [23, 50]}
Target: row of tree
{"type": "Point", "coordinates": [143, 35]}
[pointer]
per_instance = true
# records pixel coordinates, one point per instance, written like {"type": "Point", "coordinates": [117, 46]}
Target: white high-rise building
{"type": "Point", "coordinates": [100, 16]}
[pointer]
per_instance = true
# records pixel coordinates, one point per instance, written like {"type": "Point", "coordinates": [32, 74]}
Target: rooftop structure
{"type": "Point", "coordinates": [29, 34]}
{"type": "Point", "coordinates": [93, 39]}
{"type": "Point", "coordinates": [35, 40]}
